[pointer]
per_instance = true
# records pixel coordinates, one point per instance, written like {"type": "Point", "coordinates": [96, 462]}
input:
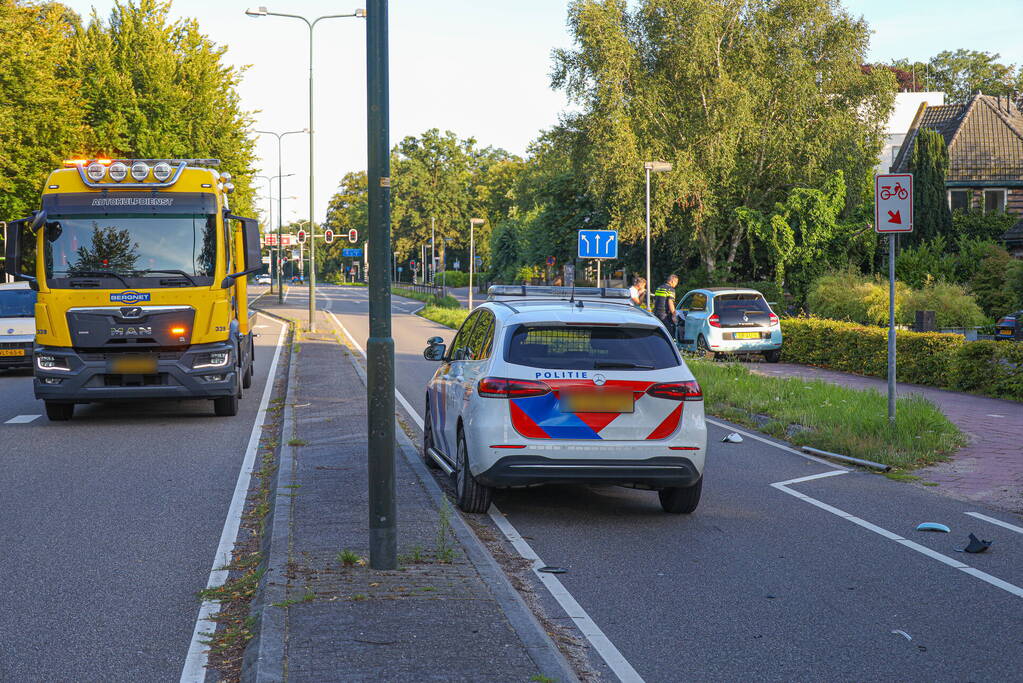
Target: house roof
{"type": "Point", "coordinates": [984, 138]}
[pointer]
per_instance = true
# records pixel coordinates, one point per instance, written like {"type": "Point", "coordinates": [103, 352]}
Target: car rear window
{"type": "Point", "coordinates": [17, 303]}
{"type": "Point", "coordinates": [591, 348]}
{"type": "Point", "coordinates": [740, 302]}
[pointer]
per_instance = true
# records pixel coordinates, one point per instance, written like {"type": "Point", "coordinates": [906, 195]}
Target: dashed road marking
{"type": "Point", "coordinates": [992, 520]}
{"type": "Point", "coordinates": [21, 419]}
{"type": "Point", "coordinates": [912, 545]}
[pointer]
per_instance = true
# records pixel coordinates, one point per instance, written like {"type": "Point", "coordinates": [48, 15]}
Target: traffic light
{"type": "Point", "coordinates": [301, 236]}
{"type": "Point", "coordinates": [328, 236]}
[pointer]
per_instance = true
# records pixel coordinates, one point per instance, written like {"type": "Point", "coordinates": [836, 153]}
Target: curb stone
{"type": "Point", "coordinates": [263, 661]}
{"type": "Point", "coordinates": [537, 642]}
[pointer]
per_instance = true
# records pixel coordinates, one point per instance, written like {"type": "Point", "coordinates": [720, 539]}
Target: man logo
{"type": "Point", "coordinates": [131, 312]}
{"type": "Point", "coordinates": [129, 297]}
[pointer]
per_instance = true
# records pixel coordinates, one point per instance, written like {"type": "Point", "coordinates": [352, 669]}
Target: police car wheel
{"type": "Point", "coordinates": [59, 412]}
{"type": "Point", "coordinates": [472, 496]}
{"type": "Point", "coordinates": [681, 499]}
{"type": "Point", "coordinates": [428, 440]}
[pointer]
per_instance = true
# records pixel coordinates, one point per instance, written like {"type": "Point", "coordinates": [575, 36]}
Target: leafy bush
{"type": "Point", "coordinates": [929, 261]}
{"type": "Point", "coordinates": [452, 278]}
{"type": "Point", "coordinates": [993, 368]}
{"type": "Point", "coordinates": [852, 297]}
{"type": "Point", "coordinates": [983, 226]}
{"type": "Point", "coordinates": [450, 317]}
{"type": "Point", "coordinates": [990, 283]}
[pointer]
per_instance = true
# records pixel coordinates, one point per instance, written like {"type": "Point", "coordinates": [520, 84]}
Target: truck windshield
{"type": "Point", "coordinates": [17, 303]}
{"type": "Point", "coordinates": [131, 245]}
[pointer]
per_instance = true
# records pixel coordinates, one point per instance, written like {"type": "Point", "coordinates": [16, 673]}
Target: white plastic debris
{"type": "Point", "coordinates": [732, 438]}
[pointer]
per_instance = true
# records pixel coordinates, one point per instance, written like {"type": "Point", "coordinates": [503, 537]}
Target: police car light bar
{"type": "Point", "coordinates": [164, 171]}
{"type": "Point", "coordinates": [613, 295]}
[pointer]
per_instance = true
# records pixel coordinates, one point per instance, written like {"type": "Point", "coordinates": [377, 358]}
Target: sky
{"type": "Point", "coordinates": [480, 68]}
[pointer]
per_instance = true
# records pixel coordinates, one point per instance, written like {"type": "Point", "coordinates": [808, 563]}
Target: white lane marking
{"type": "Point", "coordinates": [194, 670]}
{"type": "Point", "coordinates": [21, 419]}
{"type": "Point", "coordinates": [994, 415]}
{"type": "Point", "coordinates": [611, 655]}
{"type": "Point", "coordinates": [787, 449]}
{"type": "Point", "coordinates": [912, 545]}
{"type": "Point", "coordinates": [1006, 525]}
{"type": "Point", "coordinates": [600, 642]}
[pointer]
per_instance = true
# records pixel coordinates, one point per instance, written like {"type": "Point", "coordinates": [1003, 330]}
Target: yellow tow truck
{"type": "Point", "coordinates": [140, 270]}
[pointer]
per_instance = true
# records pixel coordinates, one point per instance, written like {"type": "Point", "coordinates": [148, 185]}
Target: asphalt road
{"type": "Point", "coordinates": [109, 525]}
{"type": "Point", "coordinates": [823, 579]}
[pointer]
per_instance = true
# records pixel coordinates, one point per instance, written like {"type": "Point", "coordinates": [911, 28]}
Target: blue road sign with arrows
{"type": "Point", "coordinates": [598, 244]}
{"type": "Point", "coordinates": [351, 253]}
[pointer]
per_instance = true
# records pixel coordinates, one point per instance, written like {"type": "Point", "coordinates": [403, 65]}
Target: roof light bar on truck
{"type": "Point", "coordinates": [108, 173]}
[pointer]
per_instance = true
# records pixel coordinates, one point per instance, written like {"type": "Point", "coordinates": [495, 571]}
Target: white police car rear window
{"type": "Point", "coordinates": [591, 348]}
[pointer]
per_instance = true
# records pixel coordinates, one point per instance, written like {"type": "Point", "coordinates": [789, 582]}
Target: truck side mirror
{"type": "Point", "coordinates": [253, 255]}
{"type": "Point", "coordinates": [18, 239]}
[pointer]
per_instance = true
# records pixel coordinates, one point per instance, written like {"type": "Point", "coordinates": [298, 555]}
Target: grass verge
{"type": "Point", "coordinates": [449, 317]}
{"type": "Point", "coordinates": [428, 299]}
{"type": "Point", "coordinates": [826, 416]}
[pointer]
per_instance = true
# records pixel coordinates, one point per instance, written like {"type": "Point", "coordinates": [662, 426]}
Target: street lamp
{"type": "Point", "coordinates": [280, 287]}
{"type": "Point", "coordinates": [656, 167]}
{"type": "Point", "coordinates": [473, 222]}
{"type": "Point", "coordinates": [264, 12]}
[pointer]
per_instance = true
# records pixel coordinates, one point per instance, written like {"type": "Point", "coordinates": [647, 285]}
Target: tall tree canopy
{"type": "Point", "coordinates": [745, 97]}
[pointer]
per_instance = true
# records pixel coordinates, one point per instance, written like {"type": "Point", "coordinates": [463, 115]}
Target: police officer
{"type": "Point", "coordinates": [664, 304]}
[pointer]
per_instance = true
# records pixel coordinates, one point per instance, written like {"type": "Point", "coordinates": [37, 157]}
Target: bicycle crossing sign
{"type": "Point", "coordinates": [598, 244]}
{"type": "Point", "coordinates": [893, 202]}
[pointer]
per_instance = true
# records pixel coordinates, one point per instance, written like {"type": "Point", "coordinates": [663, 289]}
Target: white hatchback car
{"type": "Point", "coordinates": [17, 325]}
{"type": "Point", "coordinates": [546, 384]}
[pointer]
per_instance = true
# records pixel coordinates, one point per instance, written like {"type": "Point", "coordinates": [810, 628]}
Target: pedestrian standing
{"type": "Point", "coordinates": [664, 305]}
{"type": "Point", "coordinates": [637, 290]}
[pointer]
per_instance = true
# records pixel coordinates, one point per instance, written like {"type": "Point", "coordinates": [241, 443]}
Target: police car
{"type": "Point", "coordinates": [564, 385]}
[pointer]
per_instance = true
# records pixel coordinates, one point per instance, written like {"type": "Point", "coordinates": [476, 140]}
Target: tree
{"type": "Point", "coordinates": [746, 98]}
{"type": "Point", "coordinates": [40, 100]}
{"type": "Point", "coordinates": [959, 73]}
{"type": "Point", "coordinates": [929, 166]}
{"type": "Point", "coordinates": [156, 89]}
{"type": "Point", "coordinates": [348, 209]}
{"type": "Point", "coordinates": [111, 249]}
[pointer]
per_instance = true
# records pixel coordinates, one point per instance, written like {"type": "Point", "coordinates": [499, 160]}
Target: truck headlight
{"type": "Point", "coordinates": [214, 359]}
{"type": "Point", "coordinates": [47, 362]}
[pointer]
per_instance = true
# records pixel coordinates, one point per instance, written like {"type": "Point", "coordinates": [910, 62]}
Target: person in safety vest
{"type": "Point", "coordinates": [664, 304]}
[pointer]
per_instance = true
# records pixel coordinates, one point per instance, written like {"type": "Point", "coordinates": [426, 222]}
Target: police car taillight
{"type": "Point", "coordinates": [677, 391]}
{"type": "Point", "coordinates": [500, 387]}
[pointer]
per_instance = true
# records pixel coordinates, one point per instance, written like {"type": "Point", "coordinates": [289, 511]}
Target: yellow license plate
{"type": "Point", "coordinates": [747, 335]}
{"type": "Point", "coordinates": [134, 365]}
{"type": "Point", "coordinates": [12, 352]}
{"type": "Point", "coordinates": [1007, 333]}
{"type": "Point", "coordinates": [598, 402]}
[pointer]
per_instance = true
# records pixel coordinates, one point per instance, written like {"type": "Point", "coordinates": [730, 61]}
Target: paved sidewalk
{"type": "Point", "coordinates": [988, 469]}
{"type": "Point", "coordinates": [447, 613]}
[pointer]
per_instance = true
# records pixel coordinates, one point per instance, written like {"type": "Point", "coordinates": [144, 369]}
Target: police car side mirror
{"type": "Point", "coordinates": [434, 351]}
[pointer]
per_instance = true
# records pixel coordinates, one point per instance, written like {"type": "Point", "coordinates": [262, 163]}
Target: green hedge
{"type": "Point", "coordinates": [948, 361]}
{"type": "Point", "coordinates": [452, 278]}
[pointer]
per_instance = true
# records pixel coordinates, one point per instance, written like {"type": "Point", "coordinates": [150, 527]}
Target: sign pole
{"type": "Point", "coordinates": [891, 327]}
{"type": "Point", "coordinates": [383, 537]}
{"type": "Point", "coordinates": [598, 272]}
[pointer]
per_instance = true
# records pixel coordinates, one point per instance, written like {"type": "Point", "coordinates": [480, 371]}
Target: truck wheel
{"type": "Point", "coordinates": [681, 499]}
{"type": "Point", "coordinates": [226, 406]}
{"type": "Point", "coordinates": [472, 495]}
{"type": "Point", "coordinates": [59, 412]}
{"type": "Point", "coordinates": [247, 377]}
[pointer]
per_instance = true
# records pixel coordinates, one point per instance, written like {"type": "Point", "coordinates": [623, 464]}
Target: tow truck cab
{"type": "Point", "coordinates": [140, 272]}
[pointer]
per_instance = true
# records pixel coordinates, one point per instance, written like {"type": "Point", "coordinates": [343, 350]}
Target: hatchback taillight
{"type": "Point", "coordinates": [501, 387]}
{"type": "Point", "coordinates": [677, 391]}
{"type": "Point", "coordinates": [774, 320]}
{"type": "Point", "coordinates": [714, 320]}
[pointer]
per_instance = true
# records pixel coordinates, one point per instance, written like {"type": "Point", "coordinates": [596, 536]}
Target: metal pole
{"type": "Point", "coordinates": [383, 542]}
{"type": "Point", "coordinates": [280, 204]}
{"type": "Point", "coordinates": [433, 256]}
{"type": "Point", "coordinates": [649, 281]}
{"type": "Point", "coordinates": [891, 328]}
{"type": "Point", "coordinates": [472, 256]}
{"type": "Point", "coordinates": [312, 189]}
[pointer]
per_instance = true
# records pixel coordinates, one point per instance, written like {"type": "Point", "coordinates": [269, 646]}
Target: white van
{"type": "Point", "coordinates": [17, 325]}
